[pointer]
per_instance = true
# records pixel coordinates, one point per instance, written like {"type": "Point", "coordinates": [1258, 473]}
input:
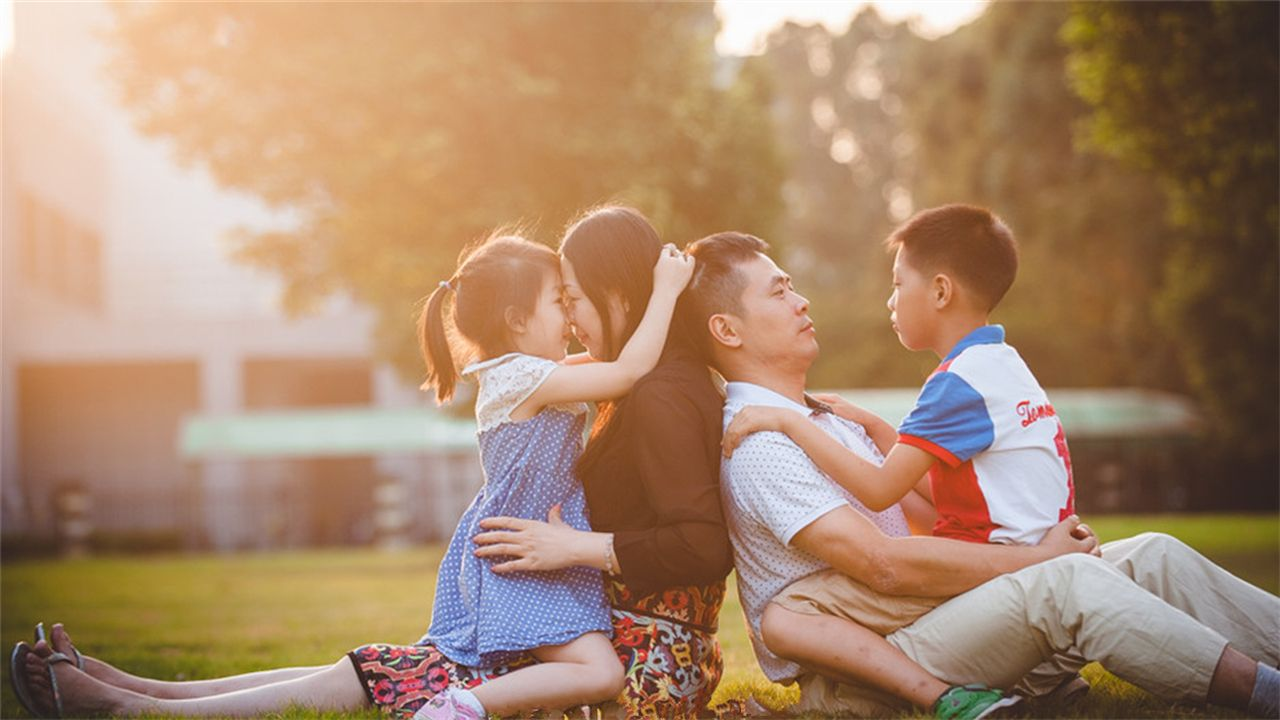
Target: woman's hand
{"type": "Point", "coordinates": [672, 271]}
{"type": "Point", "coordinates": [532, 544]}
{"type": "Point", "coordinates": [752, 419]}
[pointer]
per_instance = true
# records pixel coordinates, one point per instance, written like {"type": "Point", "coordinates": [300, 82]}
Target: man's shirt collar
{"type": "Point", "coordinates": [745, 393]}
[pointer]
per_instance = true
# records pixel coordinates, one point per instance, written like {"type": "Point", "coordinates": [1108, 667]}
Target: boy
{"type": "Point", "coordinates": [982, 429]}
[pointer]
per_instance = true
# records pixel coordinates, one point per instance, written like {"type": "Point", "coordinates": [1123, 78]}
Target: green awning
{"type": "Point", "coordinates": [1092, 413]}
{"type": "Point", "coordinates": [330, 432]}
{"type": "Point", "coordinates": [361, 431]}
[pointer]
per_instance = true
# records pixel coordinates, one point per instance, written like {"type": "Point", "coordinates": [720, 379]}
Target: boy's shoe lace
{"type": "Point", "coordinates": [971, 702]}
{"type": "Point", "coordinates": [446, 706]}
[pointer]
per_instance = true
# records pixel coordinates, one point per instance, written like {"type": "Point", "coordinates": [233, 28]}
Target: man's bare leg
{"type": "Point", "coordinates": [848, 652]}
{"type": "Point", "coordinates": [1232, 683]}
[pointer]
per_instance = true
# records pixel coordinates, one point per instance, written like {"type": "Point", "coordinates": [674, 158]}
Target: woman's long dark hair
{"type": "Point", "coordinates": [613, 250]}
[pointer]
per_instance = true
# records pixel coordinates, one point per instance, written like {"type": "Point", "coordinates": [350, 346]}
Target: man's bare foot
{"type": "Point", "coordinates": [81, 695]}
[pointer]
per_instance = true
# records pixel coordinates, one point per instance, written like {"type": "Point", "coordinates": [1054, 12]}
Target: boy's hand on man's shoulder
{"type": "Point", "coordinates": [842, 407]}
{"type": "Point", "coordinates": [753, 419]}
{"type": "Point", "coordinates": [860, 415]}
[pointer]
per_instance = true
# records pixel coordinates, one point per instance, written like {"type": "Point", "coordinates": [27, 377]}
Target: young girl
{"type": "Point", "coordinates": [508, 315]}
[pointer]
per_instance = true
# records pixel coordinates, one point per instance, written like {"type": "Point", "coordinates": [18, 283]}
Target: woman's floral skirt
{"type": "Point", "coordinates": [666, 641]}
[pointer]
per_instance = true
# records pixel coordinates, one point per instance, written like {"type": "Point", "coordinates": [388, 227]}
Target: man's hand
{"type": "Point", "coordinates": [1084, 532]}
{"type": "Point", "coordinates": [751, 419]}
{"type": "Point", "coordinates": [1070, 536]}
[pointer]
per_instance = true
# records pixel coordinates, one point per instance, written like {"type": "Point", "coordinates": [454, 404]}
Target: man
{"type": "Point", "coordinates": [1151, 610]}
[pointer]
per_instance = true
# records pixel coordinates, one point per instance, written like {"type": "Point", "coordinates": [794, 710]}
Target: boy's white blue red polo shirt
{"type": "Point", "coordinates": [1003, 472]}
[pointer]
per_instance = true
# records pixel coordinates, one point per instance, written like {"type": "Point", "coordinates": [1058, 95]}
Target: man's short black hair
{"type": "Point", "coordinates": [718, 284]}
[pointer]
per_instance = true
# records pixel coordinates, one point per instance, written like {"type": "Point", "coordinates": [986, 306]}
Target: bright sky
{"type": "Point", "coordinates": [6, 25]}
{"type": "Point", "coordinates": [744, 24]}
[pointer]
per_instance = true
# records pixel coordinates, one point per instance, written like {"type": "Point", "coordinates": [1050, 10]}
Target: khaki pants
{"type": "Point", "coordinates": [1153, 611]}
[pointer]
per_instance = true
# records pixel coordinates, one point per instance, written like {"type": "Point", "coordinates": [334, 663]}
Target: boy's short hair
{"type": "Point", "coordinates": [717, 284]}
{"type": "Point", "coordinates": [965, 241]}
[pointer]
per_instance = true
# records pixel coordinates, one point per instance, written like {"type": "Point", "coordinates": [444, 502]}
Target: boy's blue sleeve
{"type": "Point", "coordinates": [950, 420]}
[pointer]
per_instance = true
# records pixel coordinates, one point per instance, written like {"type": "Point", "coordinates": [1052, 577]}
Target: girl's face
{"type": "Point", "coordinates": [585, 318]}
{"type": "Point", "coordinates": [545, 332]}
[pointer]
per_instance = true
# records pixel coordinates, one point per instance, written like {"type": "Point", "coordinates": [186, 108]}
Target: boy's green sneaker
{"type": "Point", "coordinates": [971, 702]}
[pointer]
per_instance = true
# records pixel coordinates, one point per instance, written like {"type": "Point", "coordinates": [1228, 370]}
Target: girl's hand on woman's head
{"type": "Point", "coordinates": [530, 544]}
{"type": "Point", "coordinates": [753, 419]}
{"type": "Point", "coordinates": [672, 271]}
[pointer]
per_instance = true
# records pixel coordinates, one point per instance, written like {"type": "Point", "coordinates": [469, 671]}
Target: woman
{"type": "Point", "coordinates": [651, 474]}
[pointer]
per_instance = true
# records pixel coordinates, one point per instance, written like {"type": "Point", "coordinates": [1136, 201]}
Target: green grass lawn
{"type": "Point", "coordinates": [199, 616]}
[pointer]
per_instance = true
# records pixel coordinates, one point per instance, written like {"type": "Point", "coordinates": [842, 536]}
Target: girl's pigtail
{"type": "Point", "coordinates": [436, 352]}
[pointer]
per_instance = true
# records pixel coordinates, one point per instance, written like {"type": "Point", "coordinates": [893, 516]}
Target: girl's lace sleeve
{"type": "Point", "coordinates": [505, 383]}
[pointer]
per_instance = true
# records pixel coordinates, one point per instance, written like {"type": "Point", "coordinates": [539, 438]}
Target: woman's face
{"type": "Point", "coordinates": [585, 317]}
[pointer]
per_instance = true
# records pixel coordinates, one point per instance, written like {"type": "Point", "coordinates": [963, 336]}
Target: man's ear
{"type": "Point", "coordinates": [942, 291]}
{"type": "Point", "coordinates": [724, 330]}
{"type": "Point", "coordinates": [516, 320]}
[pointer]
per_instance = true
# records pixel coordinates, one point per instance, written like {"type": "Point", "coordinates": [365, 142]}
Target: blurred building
{"type": "Point", "coordinates": [124, 318]}
{"type": "Point", "coordinates": [153, 388]}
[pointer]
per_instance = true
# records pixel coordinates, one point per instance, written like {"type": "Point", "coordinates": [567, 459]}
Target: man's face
{"type": "Point", "coordinates": [774, 325]}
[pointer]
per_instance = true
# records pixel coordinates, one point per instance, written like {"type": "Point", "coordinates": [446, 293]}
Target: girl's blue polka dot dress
{"type": "Point", "coordinates": [481, 618]}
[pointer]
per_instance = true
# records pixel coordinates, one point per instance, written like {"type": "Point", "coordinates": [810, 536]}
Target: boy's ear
{"type": "Point", "coordinates": [724, 330]}
{"type": "Point", "coordinates": [942, 291]}
{"type": "Point", "coordinates": [516, 321]}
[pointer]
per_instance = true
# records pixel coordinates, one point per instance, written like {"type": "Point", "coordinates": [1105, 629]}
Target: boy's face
{"type": "Point", "coordinates": [911, 304]}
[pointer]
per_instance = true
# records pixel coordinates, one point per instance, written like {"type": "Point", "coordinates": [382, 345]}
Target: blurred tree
{"type": "Point", "coordinates": [840, 131]}
{"type": "Point", "coordinates": [992, 119]}
{"type": "Point", "coordinates": [878, 122]}
{"type": "Point", "coordinates": [399, 132]}
{"type": "Point", "coordinates": [1191, 92]}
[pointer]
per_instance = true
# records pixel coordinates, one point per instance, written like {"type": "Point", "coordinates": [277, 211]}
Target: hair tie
{"type": "Point", "coordinates": [445, 284]}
